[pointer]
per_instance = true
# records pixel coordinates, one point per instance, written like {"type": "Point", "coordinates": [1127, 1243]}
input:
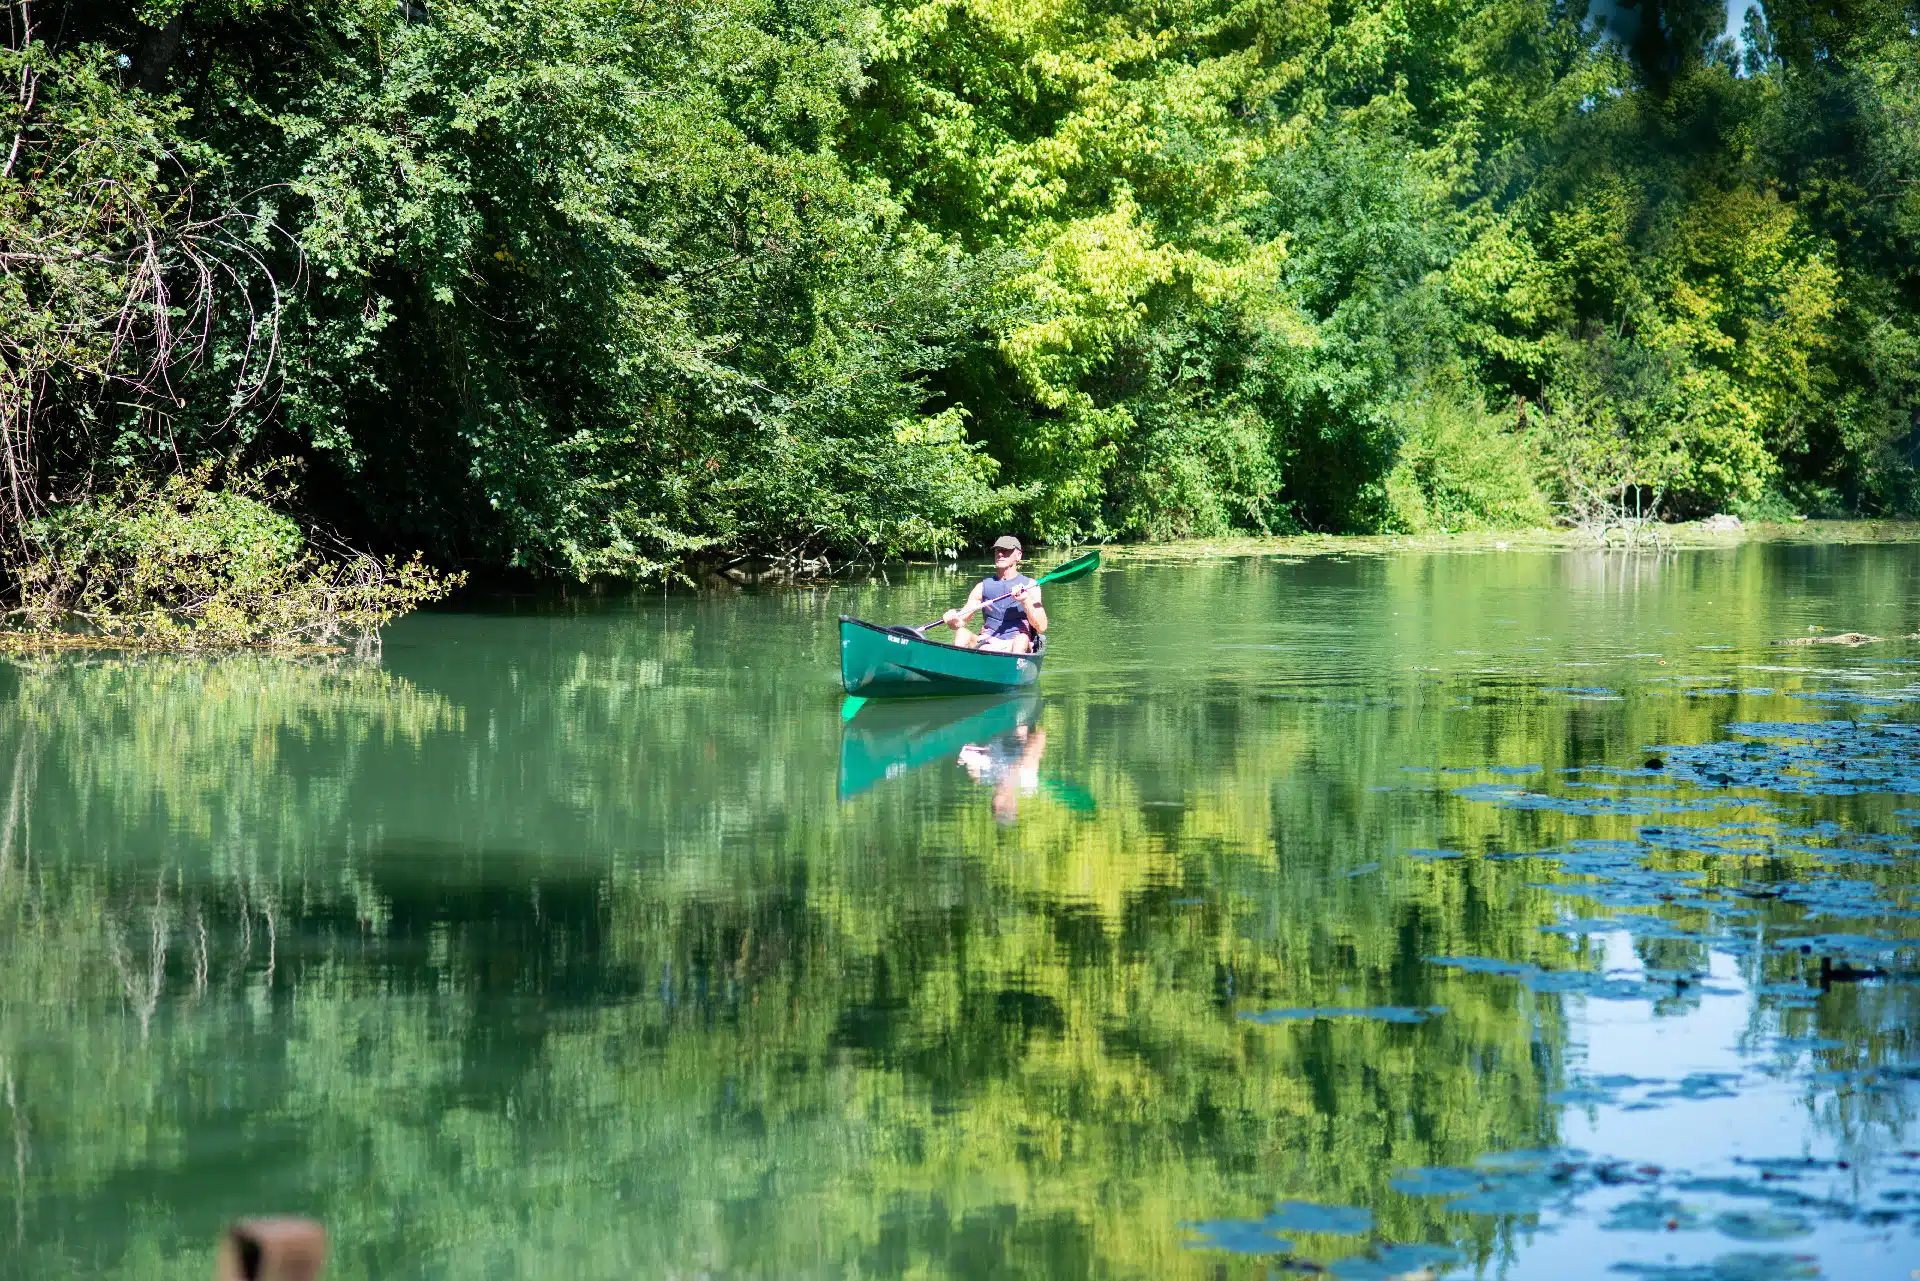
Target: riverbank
{"type": "Point", "coordinates": [736, 575]}
{"type": "Point", "coordinates": [741, 573]}
{"type": "Point", "coordinates": [1684, 536]}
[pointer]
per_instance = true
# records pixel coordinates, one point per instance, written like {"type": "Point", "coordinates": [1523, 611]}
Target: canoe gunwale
{"type": "Point", "coordinates": [1038, 650]}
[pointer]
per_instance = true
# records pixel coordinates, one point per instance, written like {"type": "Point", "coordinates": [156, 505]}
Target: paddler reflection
{"type": "Point", "coordinates": [1010, 764]}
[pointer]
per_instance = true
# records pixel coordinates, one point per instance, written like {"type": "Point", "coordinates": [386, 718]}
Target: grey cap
{"type": "Point", "coordinates": [1006, 542]}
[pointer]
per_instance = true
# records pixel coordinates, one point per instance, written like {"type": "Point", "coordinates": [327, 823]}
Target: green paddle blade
{"type": "Point", "coordinates": [1078, 567]}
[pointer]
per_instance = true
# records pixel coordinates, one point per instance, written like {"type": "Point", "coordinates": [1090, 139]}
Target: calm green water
{"type": "Point", "coordinates": [585, 941]}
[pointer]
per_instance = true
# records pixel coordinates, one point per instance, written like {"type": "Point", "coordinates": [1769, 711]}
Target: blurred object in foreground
{"type": "Point", "coordinates": [272, 1249]}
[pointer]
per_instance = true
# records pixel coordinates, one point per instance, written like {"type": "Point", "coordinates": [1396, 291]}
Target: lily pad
{"type": "Point", "coordinates": [1482, 965]}
{"type": "Point", "coordinates": [1652, 1214]}
{"type": "Point", "coordinates": [1787, 1167]}
{"type": "Point", "coordinates": [1729, 1267]}
{"type": "Point", "coordinates": [1853, 945]}
{"type": "Point", "coordinates": [1237, 1236]}
{"type": "Point", "coordinates": [1437, 1180]}
{"type": "Point", "coordinates": [1701, 1085]}
{"type": "Point", "coordinates": [1506, 1198]}
{"type": "Point", "coordinates": [1745, 1225]}
{"type": "Point", "coordinates": [1391, 1261]}
{"type": "Point", "coordinates": [1584, 925]}
{"type": "Point", "coordinates": [1384, 1013]}
{"type": "Point", "coordinates": [1261, 1236]}
{"type": "Point", "coordinates": [1337, 1220]}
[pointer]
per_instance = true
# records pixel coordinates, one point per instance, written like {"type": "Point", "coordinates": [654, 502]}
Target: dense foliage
{"type": "Point", "coordinates": [183, 565]}
{"type": "Point", "coordinates": [592, 288]}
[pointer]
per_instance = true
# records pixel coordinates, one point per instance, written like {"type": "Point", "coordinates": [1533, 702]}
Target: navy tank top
{"type": "Point", "coordinates": [1005, 615]}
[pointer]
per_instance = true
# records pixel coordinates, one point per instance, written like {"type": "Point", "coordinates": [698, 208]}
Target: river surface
{"type": "Point", "coordinates": [1526, 914]}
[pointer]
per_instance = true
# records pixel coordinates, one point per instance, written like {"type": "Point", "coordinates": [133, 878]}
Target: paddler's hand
{"type": "Point", "coordinates": [1028, 596]}
{"type": "Point", "coordinates": [951, 618]}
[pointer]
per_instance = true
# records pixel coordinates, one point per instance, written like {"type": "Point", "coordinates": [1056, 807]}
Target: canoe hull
{"type": "Point", "coordinates": [877, 663]}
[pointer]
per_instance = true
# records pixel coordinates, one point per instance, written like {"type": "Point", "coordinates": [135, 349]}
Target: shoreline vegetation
{"type": "Point", "coordinates": [613, 293]}
{"type": "Point", "coordinates": [182, 565]}
{"type": "Point", "coordinates": [1678, 536]}
{"type": "Point", "coordinates": [348, 622]}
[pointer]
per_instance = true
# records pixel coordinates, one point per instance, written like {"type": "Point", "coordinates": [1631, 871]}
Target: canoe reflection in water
{"type": "Point", "coordinates": [997, 739]}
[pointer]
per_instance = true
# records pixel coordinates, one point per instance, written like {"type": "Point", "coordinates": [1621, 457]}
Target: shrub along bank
{"type": "Point", "coordinates": [182, 565]}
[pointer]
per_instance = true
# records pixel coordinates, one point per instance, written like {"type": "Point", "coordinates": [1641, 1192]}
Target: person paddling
{"type": "Point", "coordinates": [1015, 619]}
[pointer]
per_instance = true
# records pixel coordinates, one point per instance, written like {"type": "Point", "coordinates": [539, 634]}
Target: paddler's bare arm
{"type": "Point", "coordinates": [1036, 612]}
{"type": "Point", "coordinates": [952, 617]}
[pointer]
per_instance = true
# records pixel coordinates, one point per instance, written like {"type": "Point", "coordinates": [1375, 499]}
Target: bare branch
{"type": "Point", "coordinates": [131, 287]}
{"type": "Point", "coordinates": [29, 85]}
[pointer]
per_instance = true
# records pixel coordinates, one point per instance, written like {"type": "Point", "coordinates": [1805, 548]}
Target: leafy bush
{"type": "Point", "coordinates": [179, 564]}
{"type": "Point", "coordinates": [1771, 505]}
{"type": "Point", "coordinates": [1461, 468]}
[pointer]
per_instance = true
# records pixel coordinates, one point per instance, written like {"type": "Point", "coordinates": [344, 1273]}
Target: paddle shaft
{"type": "Point", "coordinates": [1072, 569]}
{"type": "Point", "coordinates": [1068, 568]}
{"type": "Point", "coordinates": [969, 611]}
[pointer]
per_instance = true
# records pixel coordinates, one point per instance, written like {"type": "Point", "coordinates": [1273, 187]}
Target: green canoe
{"type": "Point", "coordinates": [878, 662]}
{"type": "Point", "coordinates": [885, 740]}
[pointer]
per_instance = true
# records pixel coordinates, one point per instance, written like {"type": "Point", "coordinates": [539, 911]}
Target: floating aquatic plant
{"type": "Point", "coordinates": [1651, 1214]}
{"type": "Point", "coordinates": [1394, 1261]}
{"type": "Point", "coordinates": [1729, 1267]}
{"type": "Point", "coordinates": [1335, 1220]}
{"type": "Point", "coordinates": [1384, 1013]}
{"type": "Point", "coordinates": [1261, 1236]}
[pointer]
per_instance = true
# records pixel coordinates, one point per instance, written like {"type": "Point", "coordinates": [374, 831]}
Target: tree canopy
{"type": "Point", "coordinates": [589, 288]}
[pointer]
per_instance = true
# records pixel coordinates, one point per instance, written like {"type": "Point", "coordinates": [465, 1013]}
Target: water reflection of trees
{"type": "Point", "coordinates": [522, 969]}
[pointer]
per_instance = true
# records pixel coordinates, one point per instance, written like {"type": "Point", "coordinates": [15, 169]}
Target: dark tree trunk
{"type": "Point", "coordinates": [157, 52]}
